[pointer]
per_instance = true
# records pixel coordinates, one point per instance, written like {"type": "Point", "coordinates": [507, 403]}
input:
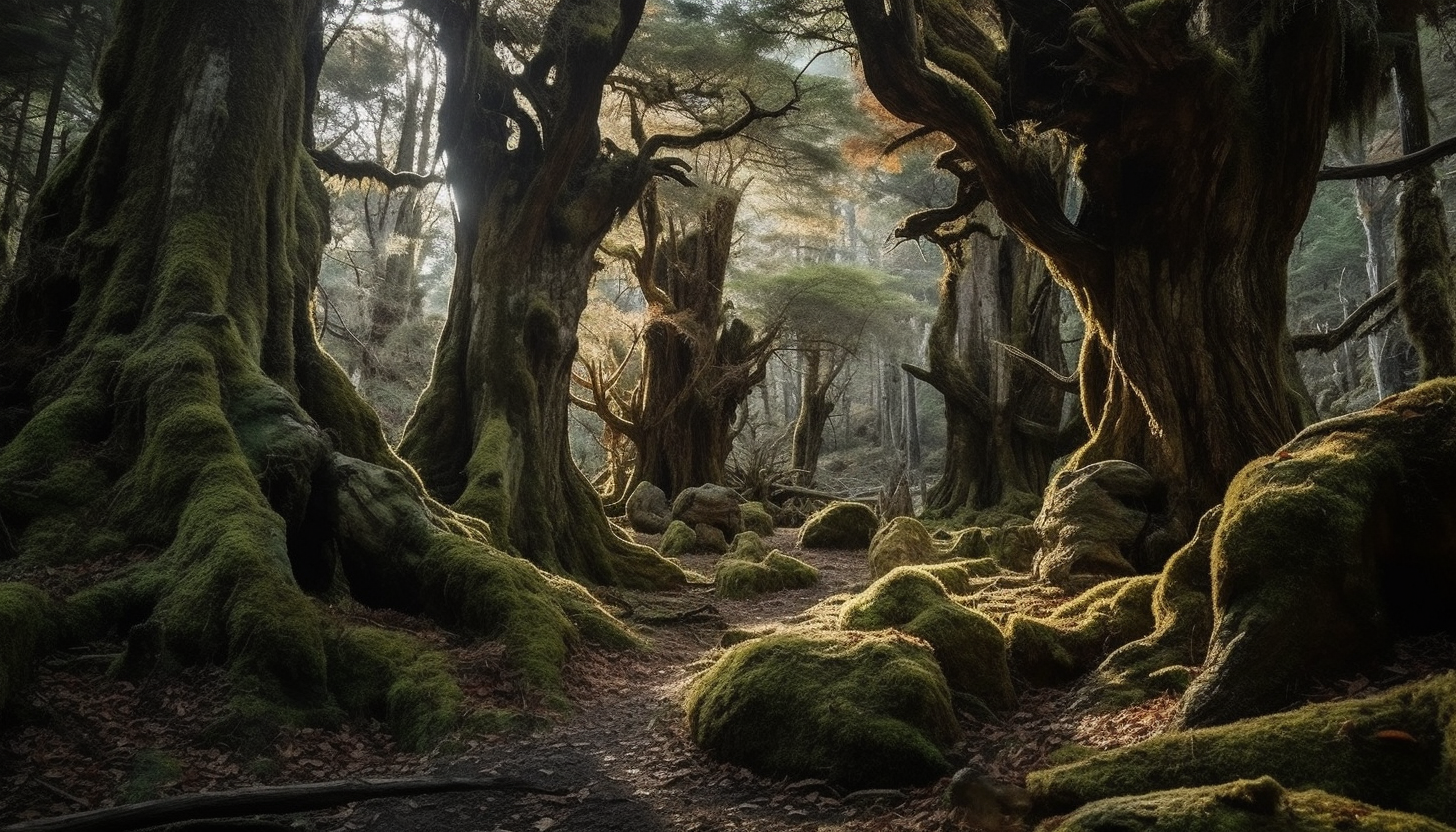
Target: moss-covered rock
{"type": "Point", "coordinates": [1328, 549]}
{"type": "Point", "coordinates": [1260, 804]}
{"type": "Point", "coordinates": [1012, 546]}
{"type": "Point", "coordinates": [968, 645]}
{"type": "Point", "coordinates": [840, 525]}
{"type": "Point", "coordinates": [858, 709]}
{"type": "Point", "coordinates": [1397, 750]}
{"type": "Point", "coordinates": [648, 510]}
{"type": "Point", "coordinates": [747, 546]}
{"type": "Point", "coordinates": [959, 577]}
{"type": "Point", "coordinates": [1096, 519]}
{"type": "Point", "coordinates": [710, 539]}
{"type": "Point", "coordinates": [904, 541]}
{"type": "Point", "coordinates": [715, 505]}
{"type": "Point", "coordinates": [739, 577]}
{"type": "Point", "coordinates": [1078, 634]}
{"type": "Point", "coordinates": [678, 540]}
{"type": "Point", "coordinates": [756, 518]}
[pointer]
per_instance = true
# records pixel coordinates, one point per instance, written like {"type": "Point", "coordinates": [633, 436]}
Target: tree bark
{"type": "Point", "coordinates": [815, 407]}
{"type": "Point", "coordinates": [1177, 258]}
{"type": "Point", "coordinates": [169, 397]}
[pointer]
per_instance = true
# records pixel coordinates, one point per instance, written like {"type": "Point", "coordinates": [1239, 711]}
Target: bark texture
{"type": "Point", "coordinates": [167, 398]}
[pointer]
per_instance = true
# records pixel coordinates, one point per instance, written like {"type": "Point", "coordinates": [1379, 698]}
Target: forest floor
{"type": "Point", "coordinates": [620, 757]}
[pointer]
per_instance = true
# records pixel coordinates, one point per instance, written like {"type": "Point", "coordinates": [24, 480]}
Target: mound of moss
{"type": "Point", "coordinates": [1329, 549]}
{"type": "Point", "coordinates": [678, 540]}
{"type": "Point", "coordinates": [968, 645]}
{"type": "Point", "coordinates": [1260, 804]}
{"type": "Point", "coordinates": [1012, 545]}
{"type": "Point", "coordinates": [904, 541]}
{"type": "Point", "coordinates": [27, 630]}
{"type": "Point", "coordinates": [1396, 750]}
{"type": "Point", "coordinates": [839, 525]}
{"type": "Point", "coordinates": [740, 576]}
{"type": "Point", "coordinates": [858, 709]}
{"type": "Point", "coordinates": [757, 518]}
{"type": "Point", "coordinates": [1069, 642]}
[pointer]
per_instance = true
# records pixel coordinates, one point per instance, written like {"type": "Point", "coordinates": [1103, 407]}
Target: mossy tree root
{"type": "Point", "coordinates": [175, 401]}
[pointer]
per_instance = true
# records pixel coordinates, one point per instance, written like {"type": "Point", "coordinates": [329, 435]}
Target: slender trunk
{"type": "Point", "coordinates": [58, 90]}
{"type": "Point", "coordinates": [814, 410]}
{"type": "Point", "coordinates": [1369, 201]}
{"type": "Point", "coordinates": [10, 203]}
{"type": "Point", "coordinates": [912, 426]}
{"type": "Point", "coordinates": [1425, 268]}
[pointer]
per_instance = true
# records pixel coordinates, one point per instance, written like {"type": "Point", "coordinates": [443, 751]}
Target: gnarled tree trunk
{"type": "Point", "coordinates": [170, 398]}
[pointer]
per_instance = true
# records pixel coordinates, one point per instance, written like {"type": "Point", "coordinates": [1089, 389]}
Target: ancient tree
{"type": "Point", "coordinates": [167, 407]}
{"type": "Point", "coordinates": [1177, 256]}
{"type": "Point", "coordinates": [537, 188]}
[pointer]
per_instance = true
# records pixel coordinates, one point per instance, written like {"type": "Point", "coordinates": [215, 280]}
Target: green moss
{"type": "Point", "coordinates": [747, 546]}
{"type": "Point", "coordinates": [395, 678]}
{"type": "Point", "coordinates": [678, 540]}
{"type": "Point", "coordinates": [1246, 804]}
{"type": "Point", "coordinates": [738, 577]}
{"type": "Point", "coordinates": [1012, 546]}
{"type": "Point", "coordinates": [902, 542]}
{"type": "Point", "coordinates": [842, 525]}
{"type": "Point", "coordinates": [857, 709]}
{"type": "Point", "coordinates": [969, 647]}
{"type": "Point", "coordinates": [959, 576]}
{"type": "Point", "coordinates": [492, 474]}
{"type": "Point", "coordinates": [27, 629]}
{"type": "Point", "coordinates": [1397, 750]}
{"type": "Point", "coordinates": [1079, 633]}
{"type": "Point", "coordinates": [756, 518]}
{"type": "Point", "coordinates": [150, 771]}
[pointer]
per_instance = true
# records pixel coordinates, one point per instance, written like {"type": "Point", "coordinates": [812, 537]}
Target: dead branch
{"type": "Point", "coordinates": [266, 800]}
{"type": "Point", "coordinates": [1392, 167]}
{"type": "Point", "coordinates": [1349, 328]}
{"type": "Point", "coordinates": [1065, 383]}
{"type": "Point", "coordinates": [333, 164]}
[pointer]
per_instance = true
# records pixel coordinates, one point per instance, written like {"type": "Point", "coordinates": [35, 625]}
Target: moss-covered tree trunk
{"type": "Point", "coordinates": [1002, 418]}
{"type": "Point", "coordinates": [166, 397]}
{"type": "Point", "coordinates": [699, 366]}
{"type": "Point", "coordinates": [536, 191]}
{"type": "Point", "coordinates": [1425, 269]}
{"type": "Point", "coordinates": [1177, 257]}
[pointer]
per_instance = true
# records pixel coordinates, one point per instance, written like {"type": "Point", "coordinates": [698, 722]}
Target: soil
{"type": "Point", "coordinates": [621, 758]}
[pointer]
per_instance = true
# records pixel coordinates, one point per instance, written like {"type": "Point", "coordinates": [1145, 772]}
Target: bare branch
{"type": "Point", "coordinates": [1067, 384]}
{"type": "Point", "coordinates": [1349, 328]}
{"type": "Point", "coordinates": [664, 141]}
{"type": "Point", "coordinates": [333, 164]}
{"type": "Point", "coordinates": [1392, 167]}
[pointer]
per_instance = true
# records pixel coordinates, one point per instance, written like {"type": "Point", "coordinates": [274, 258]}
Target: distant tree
{"type": "Point", "coordinates": [537, 188]}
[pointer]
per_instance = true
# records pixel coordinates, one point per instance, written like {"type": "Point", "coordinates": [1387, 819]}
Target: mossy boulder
{"type": "Point", "coordinates": [748, 546]}
{"type": "Point", "coordinates": [1396, 750]}
{"type": "Point", "coordinates": [756, 518]}
{"type": "Point", "coordinates": [1330, 548]}
{"type": "Point", "coordinates": [648, 510]}
{"type": "Point", "coordinates": [904, 541]}
{"type": "Point", "coordinates": [839, 525]}
{"type": "Point", "coordinates": [968, 645]}
{"type": "Point", "coordinates": [715, 505]}
{"type": "Point", "coordinates": [739, 577]}
{"type": "Point", "coordinates": [858, 709]}
{"type": "Point", "coordinates": [1012, 545]}
{"type": "Point", "coordinates": [1260, 804]}
{"type": "Point", "coordinates": [1078, 634]}
{"type": "Point", "coordinates": [678, 540]}
{"type": "Point", "coordinates": [959, 576]}
{"type": "Point", "coordinates": [710, 539]}
{"type": "Point", "coordinates": [1097, 519]}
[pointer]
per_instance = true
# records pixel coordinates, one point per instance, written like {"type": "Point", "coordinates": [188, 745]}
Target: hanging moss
{"type": "Point", "coordinates": [858, 709]}
{"type": "Point", "coordinates": [1246, 804]}
{"type": "Point", "coordinates": [968, 646]}
{"type": "Point", "coordinates": [841, 525]}
{"type": "Point", "coordinates": [1397, 751]}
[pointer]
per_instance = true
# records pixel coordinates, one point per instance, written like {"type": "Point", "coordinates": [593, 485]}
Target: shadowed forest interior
{"type": "Point", "coordinates": [727, 414]}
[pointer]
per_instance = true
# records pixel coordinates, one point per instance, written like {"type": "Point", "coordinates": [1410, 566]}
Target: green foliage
{"type": "Point", "coordinates": [831, 303]}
